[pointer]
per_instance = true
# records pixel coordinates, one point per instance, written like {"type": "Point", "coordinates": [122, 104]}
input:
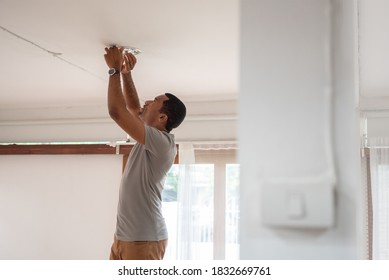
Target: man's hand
{"type": "Point", "coordinates": [114, 57]}
{"type": "Point", "coordinates": [129, 61]}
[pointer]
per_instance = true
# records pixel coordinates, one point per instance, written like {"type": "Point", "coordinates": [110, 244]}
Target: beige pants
{"type": "Point", "coordinates": [138, 250]}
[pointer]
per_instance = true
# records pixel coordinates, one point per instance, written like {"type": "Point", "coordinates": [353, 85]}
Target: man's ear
{"type": "Point", "coordinates": [163, 118]}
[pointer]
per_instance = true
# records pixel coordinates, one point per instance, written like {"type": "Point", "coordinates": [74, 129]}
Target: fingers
{"type": "Point", "coordinates": [131, 59]}
{"type": "Point", "coordinates": [125, 66]}
{"type": "Point", "coordinates": [113, 49]}
{"type": "Point", "coordinates": [126, 61]}
{"type": "Point", "coordinates": [115, 55]}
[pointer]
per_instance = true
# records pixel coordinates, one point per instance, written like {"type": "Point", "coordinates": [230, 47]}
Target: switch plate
{"type": "Point", "coordinates": [297, 204]}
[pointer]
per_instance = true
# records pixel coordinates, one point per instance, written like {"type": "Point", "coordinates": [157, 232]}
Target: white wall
{"type": "Point", "coordinates": [58, 207]}
{"type": "Point", "coordinates": [207, 120]}
{"type": "Point", "coordinates": [351, 200]}
{"type": "Point", "coordinates": [374, 65]}
{"type": "Point", "coordinates": [293, 54]}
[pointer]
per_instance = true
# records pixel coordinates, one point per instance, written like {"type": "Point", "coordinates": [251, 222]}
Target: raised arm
{"type": "Point", "coordinates": [128, 120]}
{"type": "Point", "coordinates": [130, 93]}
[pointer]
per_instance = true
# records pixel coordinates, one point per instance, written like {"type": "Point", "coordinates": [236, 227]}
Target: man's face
{"type": "Point", "coordinates": [150, 111]}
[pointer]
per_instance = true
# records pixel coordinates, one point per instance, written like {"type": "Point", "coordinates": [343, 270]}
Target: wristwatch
{"type": "Point", "coordinates": [113, 71]}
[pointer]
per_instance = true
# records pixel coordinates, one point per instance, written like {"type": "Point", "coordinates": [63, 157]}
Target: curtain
{"type": "Point", "coordinates": [195, 207]}
{"type": "Point", "coordinates": [201, 203]}
{"type": "Point", "coordinates": [379, 172]}
{"type": "Point", "coordinates": [195, 212]}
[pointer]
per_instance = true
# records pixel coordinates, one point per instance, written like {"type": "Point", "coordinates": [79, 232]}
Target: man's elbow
{"type": "Point", "coordinates": [113, 113]}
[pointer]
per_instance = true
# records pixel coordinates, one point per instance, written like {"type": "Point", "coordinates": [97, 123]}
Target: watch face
{"type": "Point", "coordinates": [112, 71]}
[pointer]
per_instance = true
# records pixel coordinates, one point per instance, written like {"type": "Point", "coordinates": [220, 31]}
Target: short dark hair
{"type": "Point", "coordinates": [175, 110]}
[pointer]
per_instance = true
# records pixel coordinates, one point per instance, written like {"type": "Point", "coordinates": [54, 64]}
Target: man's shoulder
{"type": "Point", "coordinates": [152, 131]}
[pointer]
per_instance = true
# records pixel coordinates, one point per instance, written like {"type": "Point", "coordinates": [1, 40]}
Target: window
{"type": "Point", "coordinates": [379, 199]}
{"type": "Point", "coordinates": [375, 175]}
{"type": "Point", "coordinates": [380, 193]}
{"type": "Point", "coordinates": [232, 211]}
{"type": "Point", "coordinates": [201, 207]}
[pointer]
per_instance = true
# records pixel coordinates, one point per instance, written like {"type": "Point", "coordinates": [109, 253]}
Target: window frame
{"type": "Point", "coordinates": [219, 158]}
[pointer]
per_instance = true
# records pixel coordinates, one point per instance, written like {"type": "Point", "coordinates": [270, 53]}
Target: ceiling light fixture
{"type": "Point", "coordinates": [132, 50]}
{"type": "Point", "coordinates": [129, 49]}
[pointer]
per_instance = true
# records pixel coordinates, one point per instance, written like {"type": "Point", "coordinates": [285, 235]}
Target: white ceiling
{"type": "Point", "coordinates": [189, 48]}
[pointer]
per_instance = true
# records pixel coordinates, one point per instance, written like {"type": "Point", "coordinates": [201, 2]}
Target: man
{"type": "Point", "coordinates": [141, 232]}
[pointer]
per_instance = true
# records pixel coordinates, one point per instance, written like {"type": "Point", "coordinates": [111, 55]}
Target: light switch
{"type": "Point", "coordinates": [295, 205]}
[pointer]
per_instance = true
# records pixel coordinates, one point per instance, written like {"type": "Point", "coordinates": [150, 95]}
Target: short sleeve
{"type": "Point", "coordinates": [158, 142]}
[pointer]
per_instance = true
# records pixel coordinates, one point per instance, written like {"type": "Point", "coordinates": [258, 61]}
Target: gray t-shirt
{"type": "Point", "coordinates": [139, 215]}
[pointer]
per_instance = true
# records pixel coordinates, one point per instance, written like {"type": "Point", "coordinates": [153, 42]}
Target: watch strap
{"type": "Point", "coordinates": [113, 71]}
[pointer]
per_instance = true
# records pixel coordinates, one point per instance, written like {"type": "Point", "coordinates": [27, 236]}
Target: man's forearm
{"type": "Point", "coordinates": [130, 93]}
{"type": "Point", "coordinates": [115, 97]}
